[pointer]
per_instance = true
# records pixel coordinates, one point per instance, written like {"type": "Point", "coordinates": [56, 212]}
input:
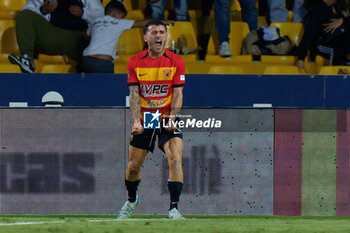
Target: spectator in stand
{"type": "Point", "coordinates": [222, 21]}
{"type": "Point", "coordinates": [105, 33]}
{"type": "Point", "coordinates": [329, 24]}
{"type": "Point", "coordinates": [157, 8]}
{"type": "Point", "coordinates": [278, 12]}
{"type": "Point", "coordinates": [53, 27]}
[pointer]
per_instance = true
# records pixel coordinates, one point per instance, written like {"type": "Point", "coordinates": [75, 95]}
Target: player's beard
{"type": "Point", "coordinates": [157, 51]}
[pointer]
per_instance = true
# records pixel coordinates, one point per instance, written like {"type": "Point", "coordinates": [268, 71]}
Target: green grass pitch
{"type": "Point", "coordinates": [158, 223]}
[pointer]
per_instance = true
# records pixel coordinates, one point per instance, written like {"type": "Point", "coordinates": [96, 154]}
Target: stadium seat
{"type": "Point", "coordinates": [8, 36]}
{"type": "Point", "coordinates": [235, 6]}
{"type": "Point", "coordinates": [135, 4]}
{"type": "Point", "coordinates": [291, 70]}
{"type": "Point", "coordinates": [276, 59]}
{"type": "Point", "coordinates": [12, 5]}
{"type": "Point", "coordinates": [290, 16]}
{"type": "Point", "coordinates": [9, 68]}
{"type": "Point", "coordinates": [295, 33]}
{"type": "Point", "coordinates": [225, 70]}
{"type": "Point", "coordinates": [262, 21]}
{"type": "Point", "coordinates": [10, 8]}
{"type": "Point", "coordinates": [105, 2]}
{"type": "Point", "coordinates": [239, 30]}
{"type": "Point", "coordinates": [135, 14]}
{"type": "Point", "coordinates": [202, 25]}
{"type": "Point", "coordinates": [9, 41]}
{"type": "Point", "coordinates": [186, 29]}
{"type": "Point", "coordinates": [334, 70]}
{"type": "Point", "coordinates": [58, 68]}
{"type": "Point", "coordinates": [197, 68]}
{"type": "Point", "coordinates": [120, 68]}
{"type": "Point", "coordinates": [130, 4]}
{"type": "Point", "coordinates": [130, 43]}
{"type": "Point", "coordinates": [52, 59]}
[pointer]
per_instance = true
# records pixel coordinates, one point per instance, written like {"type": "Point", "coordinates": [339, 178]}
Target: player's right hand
{"type": "Point", "coordinates": [136, 128]}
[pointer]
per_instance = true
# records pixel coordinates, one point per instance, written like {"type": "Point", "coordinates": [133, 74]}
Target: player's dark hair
{"type": "Point", "coordinates": [115, 5]}
{"type": "Point", "coordinates": [153, 22]}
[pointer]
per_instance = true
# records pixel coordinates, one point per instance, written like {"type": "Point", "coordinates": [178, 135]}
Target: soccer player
{"type": "Point", "coordinates": [156, 78]}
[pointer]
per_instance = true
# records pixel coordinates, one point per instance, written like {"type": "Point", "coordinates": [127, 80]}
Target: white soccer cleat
{"type": "Point", "coordinates": [128, 208]}
{"type": "Point", "coordinates": [175, 214]}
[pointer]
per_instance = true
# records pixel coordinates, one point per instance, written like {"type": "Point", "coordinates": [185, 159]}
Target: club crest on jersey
{"type": "Point", "coordinates": [166, 73]}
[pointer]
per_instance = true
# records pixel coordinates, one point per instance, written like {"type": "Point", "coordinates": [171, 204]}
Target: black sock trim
{"type": "Point", "coordinates": [175, 189]}
{"type": "Point", "coordinates": [131, 187]}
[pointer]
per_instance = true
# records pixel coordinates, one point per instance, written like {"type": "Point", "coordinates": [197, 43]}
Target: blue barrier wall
{"type": "Point", "coordinates": [201, 90]}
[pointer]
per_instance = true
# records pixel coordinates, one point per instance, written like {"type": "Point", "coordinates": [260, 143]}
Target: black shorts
{"type": "Point", "coordinates": [147, 139]}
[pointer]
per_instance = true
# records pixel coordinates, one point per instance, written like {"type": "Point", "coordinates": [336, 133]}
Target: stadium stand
{"type": "Point", "coordinates": [135, 14]}
{"type": "Point", "coordinates": [10, 8]}
{"type": "Point", "coordinates": [282, 69]}
{"type": "Point", "coordinates": [57, 68]}
{"type": "Point", "coordinates": [8, 36]}
{"type": "Point", "coordinates": [238, 31]}
{"type": "Point", "coordinates": [295, 33]}
{"type": "Point", "coordinates": [8, 42]}
{"type": "Point", "coordinates": [130, 4]}
{"type": "Point", "coordinates": [52, 59]}
{"type": "Point", "coordinates": [235, 6]}
{"type": "Point", "coordinates": [226, 70]}
{"type": "Point", "coordinates": [334, 70]}
{"type": "Point", "coordinates": [8, 39]}
{"type": "Point", "coordinates": [186, 29]}
{"type": "Point", "coordinates": [130, 43]}
{"type": "Point", "coordinates": [120, 68]}
{"type": "Point", "coordinates": [197, 67]}
{"type": "Point", "coordinates": [9, 68]}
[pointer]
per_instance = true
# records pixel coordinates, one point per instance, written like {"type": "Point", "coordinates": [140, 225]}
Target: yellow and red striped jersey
{"type": "Point", "coordinates": [156, 78]}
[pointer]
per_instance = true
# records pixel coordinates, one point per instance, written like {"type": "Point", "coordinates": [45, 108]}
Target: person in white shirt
{"type": "Point", "coordinates": [105, 33]}
{"type": "Point", "coordinates": [53, 27]}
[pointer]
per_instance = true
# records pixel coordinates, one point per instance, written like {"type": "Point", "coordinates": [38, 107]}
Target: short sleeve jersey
{"type": "Point", "coordinates": [105, 33]}
{"type": "Point", "coordinates": [156, 78]}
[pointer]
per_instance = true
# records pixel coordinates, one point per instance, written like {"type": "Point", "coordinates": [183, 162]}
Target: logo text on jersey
{"type": "Point", "coordinates": [154, 90]}
{"type": "Point", "coordinates": [151, 120]}
{"type": "Point", "coordinates": [156, 103]}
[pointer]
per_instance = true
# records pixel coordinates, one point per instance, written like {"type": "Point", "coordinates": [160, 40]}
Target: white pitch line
{"type": "Point", "coordinates": [91, 220]}
{"type": "Point", "coordinates": [27, 223]}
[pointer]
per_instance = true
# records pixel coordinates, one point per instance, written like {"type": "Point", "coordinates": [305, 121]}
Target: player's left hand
{"type": "Point", "coordinates": [76, 10]}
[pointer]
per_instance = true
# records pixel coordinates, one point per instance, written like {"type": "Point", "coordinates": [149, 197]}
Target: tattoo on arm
{"type": "Point", "coordinates": [135, 103]}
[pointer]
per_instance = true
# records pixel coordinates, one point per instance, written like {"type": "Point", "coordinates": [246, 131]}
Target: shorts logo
{"type": "Point", "coordinates": [151, 120]}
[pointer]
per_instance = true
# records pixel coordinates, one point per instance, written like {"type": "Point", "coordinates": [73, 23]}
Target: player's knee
{"type": "Point", "coordinates": [175, 162]}
{"type": "Point", "coordinates": [134, 166]}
